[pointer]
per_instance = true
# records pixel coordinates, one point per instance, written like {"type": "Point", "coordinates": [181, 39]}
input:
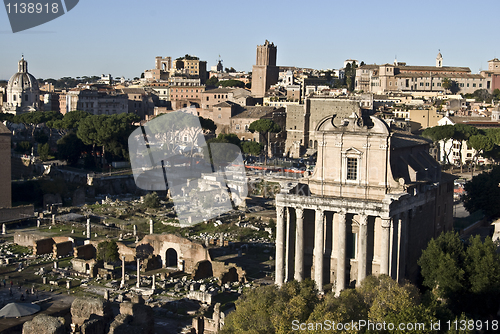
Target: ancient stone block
{"type": "Point", "coordinates": [44, 324]}
{"type": "Point", "coordinates": [83, 308]}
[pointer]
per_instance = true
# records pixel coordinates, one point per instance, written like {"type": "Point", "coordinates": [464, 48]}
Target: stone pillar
{"type": "Point", "coordinates": [4, 229]}
{"type": "Point", "coordinates": [151, 226]}
{"type": "Point", "coordinates": [135, 230]}
{"type": "Point", "coordinates": [55, 264]}
{"type": "Point", "coordinates": [122, 284]}
{"type": "Point", "coordinates": [289, 245]}
{"type": "Point", "coordinates": [341, 244]}
{"type": "Point", "coordinates": [138, 275]}
{"type": "Point", "coordinates": [38, 223]}
{"type": "Point", "coordinates": [280, 238]}
{"type": "Point", "coordinates": [106, 294]}
{"type": "Point", "coordinates": [153, 285]}
{"type": "Point", "coordinates": [88, 228]}
{"type": "Point", "coordinates": [362, 248]}
{"type": "Point", "coordinates": [384, 251]}
{"type": "Point", "coordinates": [299, 245]}
{"type": "Point", "coordinates": [53, 219]}
{"type": "Point", "coordinates": [319, 248]}
{"type": "Point", "coordinates": [403, 227]}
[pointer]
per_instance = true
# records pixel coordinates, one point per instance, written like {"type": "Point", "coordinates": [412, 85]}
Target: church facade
{"type": "Point", "coordinates": [23, 93]}
{"type": "Point", "coordinates": [374, 200]}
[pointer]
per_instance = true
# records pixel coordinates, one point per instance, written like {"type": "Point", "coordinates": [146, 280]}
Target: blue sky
{"type": "Point", "coordinates": [123, 37]}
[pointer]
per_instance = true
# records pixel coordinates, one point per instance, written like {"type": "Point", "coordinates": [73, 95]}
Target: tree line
{"type": "Point", "coordinates": [461, 282]}
{"type": "Point", "coordinates": [485, 142]}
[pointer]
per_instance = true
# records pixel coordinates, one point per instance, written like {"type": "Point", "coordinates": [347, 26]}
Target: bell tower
{"type": "Point", "coordinates": [439, 59]}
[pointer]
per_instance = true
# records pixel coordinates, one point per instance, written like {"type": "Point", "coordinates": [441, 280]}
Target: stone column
{"type": "Point", "coordinates": [135, 230]}
{"type": "Point", "coordinates": [53, 219]}
{"type": "Point", "coordinates": [88, 228]}
{"type": "Point", "coordinates": [38, 223]}
{"type": "Point", "coordinates": [4, 229]}
{"type": "Point", "coordinates": [151, 226]}
{"type": "Point", "coordinates": [138, 275]}
{"type": "Point", "coordinates": [362, 248]}
{"type": "Point", "coordinates": [280, 236]}
{"type": "Point", "coordinates": [384, 251]}
{"type": "Point", "coordinates": [153, 285]}
{"type": "Point", "coordinates": [299, 245]}
{"type": "Point", "coordinates": [403, 227]}
{"type": "Point", "coordinates": [341, 244]}
{"type": "Point", "coordinates": [289, 245]}
{"type": "Point", "coordinates": [122, 284]}
{"type": "Point", "coordinates": [319, 248]}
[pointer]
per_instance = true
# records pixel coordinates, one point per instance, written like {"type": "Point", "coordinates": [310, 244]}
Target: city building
{"type": "Point", "coordinates": [23, 93]}
{"type": "Point", "coordinates": [94, 101]}
{"type": "Point", "coordinates": [265, 72]}
{"type": "Point", "coordinates": [185, 92]}
{"type": "Point", "coordinates": [211, 97]}
{"type": "Point", "coordinates": [301, 120]}
{"type": "Point", "coordinates": [375, 199]}
{"type": "Point", "coordinates": [492, 75]}
{"type": "Point", "coordinates": [398, 76]}
{"type": "Point", "coordinates": [275, 145]}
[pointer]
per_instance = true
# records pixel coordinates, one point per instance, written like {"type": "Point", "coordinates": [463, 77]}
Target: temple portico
{"type": "Point", "coordinates": [371, 205]}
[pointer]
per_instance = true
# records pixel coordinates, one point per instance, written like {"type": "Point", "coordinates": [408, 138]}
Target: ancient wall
{"type": "Point", "coordinates": [186, 250]}
{"type": "Point", "coordinates": [43, 246]}
{"type": "Point", "coordinates": [228, 273]}
{"type": "Point", "coordinates": [19, 212]}
{"type": "Point", "coordinates": [85, 252]}
{"type": "Point", "coordinates": [128, 252]}
{"type": "Point", "coordinates": [62, 249]}
{"type": "Point", "coordinates": [27, 239]}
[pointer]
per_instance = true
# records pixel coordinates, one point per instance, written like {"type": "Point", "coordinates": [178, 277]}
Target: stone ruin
{"type": "Point", "coordinates": [94, 316]}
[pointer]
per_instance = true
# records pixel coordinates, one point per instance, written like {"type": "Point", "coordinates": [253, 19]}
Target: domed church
{"type": "Point", "coordinates": [23, 94]}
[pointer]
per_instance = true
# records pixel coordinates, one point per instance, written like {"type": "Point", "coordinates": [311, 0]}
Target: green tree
{"type": "Point", "coordinates": [496, 94]}
{"type": "Point", "coordinates": [462, 133]}
{"type": "Point", "coordinates": [69, 122]}
{"type": "Point", "coordinates": [107, 251]}
{"type": "Point", "coordinates": [482, 95]}
{"type": "Point", "coordinates": [232, 83]}
{"type": "Point", "coordinates": [264, 127]}
{"type": "Point", "coordinates": [482, 193]}
{"type": "Point", "coordinates": [43, 151]}
{"type": "Point", "coordinates": [70, 148]}
{"type": "Point", "coordinates": [213, 81]}
{"type": "Point", "coordinates": [441, 133]}
{"type": "Point", "coordinates": [151, 200]}
{"type": "Point", "coordinates": [482, 264]}
{"type": "Point", "coordinates": [466, 278]}
{"type": "Point", "coordinates": [251, 147]}
{"type": "Point", "coordinates": [481, 144]}
{"type": "Point", "coordinates": [441, 265]}
{"type": "Point", "coordinates": [222, 155]}
{"type": "Point", "coordinates": [108, 132]}
{"type": "Point", "coordinates": [268, 309]}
